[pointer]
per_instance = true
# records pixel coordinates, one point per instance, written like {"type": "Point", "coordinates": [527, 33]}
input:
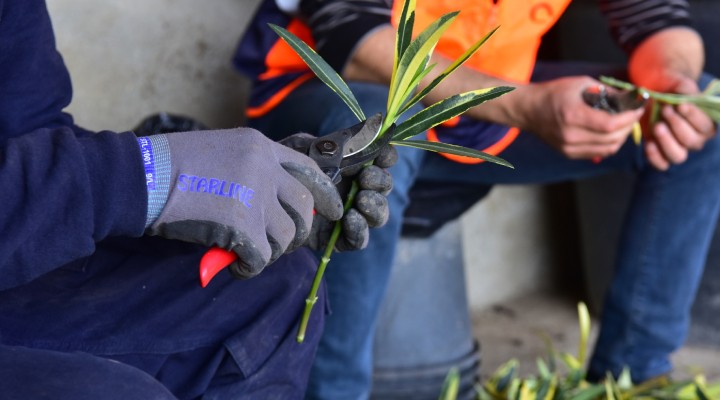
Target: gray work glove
{"type": "Point", "coordinates": [235, 189]}
{"type": "Point", "coordinates": [370, 209]}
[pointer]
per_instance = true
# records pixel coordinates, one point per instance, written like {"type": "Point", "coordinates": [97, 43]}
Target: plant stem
{"type": "Point", "coordinates": [312, 296]}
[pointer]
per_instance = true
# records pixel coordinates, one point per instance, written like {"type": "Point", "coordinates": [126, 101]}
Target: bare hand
{"type": "Point", "coordinates": [681, 128]}
{"type": "Point", "coordinates": [561, 118]}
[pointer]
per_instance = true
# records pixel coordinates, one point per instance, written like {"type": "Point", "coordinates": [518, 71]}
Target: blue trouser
{"type": "Point", "coordinates": [139, 302]}
{"type": "Point", "coordinates": [662, 253]}
{"type": "Point", "coordinates": [48, 375]}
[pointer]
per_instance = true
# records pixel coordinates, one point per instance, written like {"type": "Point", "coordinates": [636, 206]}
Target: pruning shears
{"type": "Point", "coordinates": [616, 102]}
{"type": "Point", "coordinates": [334, 153]}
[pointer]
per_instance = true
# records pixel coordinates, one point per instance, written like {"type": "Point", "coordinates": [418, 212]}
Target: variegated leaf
{"type": "Point", "coordinates": [445, 110]}
{"type": "Point", "coordinates": [451, 149]}
{"type": "Point", "coordinates": [322, 69]}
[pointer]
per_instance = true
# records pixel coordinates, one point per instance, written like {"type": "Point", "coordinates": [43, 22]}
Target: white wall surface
{"type": "Point", "coordinates": [131, 58]}
{"type": "Point", "coordinates": [505, 246]}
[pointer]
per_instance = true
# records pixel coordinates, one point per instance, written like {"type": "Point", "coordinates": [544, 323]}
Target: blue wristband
{"type": "Point", "coordinates": [156, 161]}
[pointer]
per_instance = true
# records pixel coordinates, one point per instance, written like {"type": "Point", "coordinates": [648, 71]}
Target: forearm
{"type": "Point", "coordinates": [657, 36]}
{"type": "Point", "coordinates": [632, 21]}
{"type": "Point", "coordinates": [63, 194]}
{"type": "Point", "coordinates": [372, 62]}
{"type": "Point", "coordinates": [676, 51]}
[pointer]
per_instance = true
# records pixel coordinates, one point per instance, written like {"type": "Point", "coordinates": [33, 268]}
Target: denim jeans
{"type": "Point", "coordinates": [662, 253]}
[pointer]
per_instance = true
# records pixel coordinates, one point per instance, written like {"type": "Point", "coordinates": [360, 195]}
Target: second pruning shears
{"type": "Point", "coordinates": [616, 102]}
{"type": "Point", "coordinates": [334, 153]}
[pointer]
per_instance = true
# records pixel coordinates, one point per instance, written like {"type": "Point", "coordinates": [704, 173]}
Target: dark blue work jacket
{"type": "Point", "coordinates": [76, 273]}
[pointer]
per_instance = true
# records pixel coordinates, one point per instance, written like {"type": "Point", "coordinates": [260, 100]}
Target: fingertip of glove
{"type": "Point", "coordinates": [328, 202]}
{"type": "Point", "coordinates": [241, 270]}
{"type": "Point", "coordinates": [373, 206]}
{"type": "Point", "coordinates": [319, 233]}
{"type": "Point", "coordinates": [387, 158]}
{"type": "Point", "coordinates": [356, 232]}
{"type": "Point", "coordinates": [325, 195]}
{"type": "Point", "coordinates": [248, 265]}
{"type": "Point", "coordinates": [375, 178]}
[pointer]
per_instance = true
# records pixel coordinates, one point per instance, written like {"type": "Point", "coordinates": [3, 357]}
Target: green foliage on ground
{"type": "Point", "coordinates": [561, 376]}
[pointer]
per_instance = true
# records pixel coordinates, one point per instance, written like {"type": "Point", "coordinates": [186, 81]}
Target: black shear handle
{"type": "Point", "coordinates": [327, 152]}
{"type": "Point", "coordinates": [613, 102]}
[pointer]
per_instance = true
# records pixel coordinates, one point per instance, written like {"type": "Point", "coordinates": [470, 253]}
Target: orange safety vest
{"type": "Point", "coordinates": [280, 60]}
{"type": "Point", "coordinates": [509, 54]}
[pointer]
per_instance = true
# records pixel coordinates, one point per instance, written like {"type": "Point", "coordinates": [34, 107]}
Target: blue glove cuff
{"type": "Point", "coordinates": [156, 161]}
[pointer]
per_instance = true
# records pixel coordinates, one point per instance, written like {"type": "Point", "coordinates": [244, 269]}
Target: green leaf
{"type": "Point", "coordinates": [451, 386]}
{"type": "Point", "coordinates": [625, 380]}
{"type": "Point", "coordinates": [713, 88]}
{"type": "Point", "coordinates": [687, 392]}
{"type": "Point", "coordinates": [543, 369]}
{"type": "Point", "coordinates": [546, 391]}
{"type": "Point", "coordinates": [482, 394]}
{"type": "Point", "coordinates": [413, 60]}
{"type": "Point", "coordinates": [617, 83]}
{"type": "Point", "coordinates": [527, 390]}
{"type": "Point", "coordinates": [708, 101]}
{"type": "Point", "coordinates": [654, 112]}
{"type": "Point", "coordinates": [584, 317]}
{"type": "Point", "coordinates": [321, 69]}
{"type": "Point", "coordinates": [411, 88]}
{"type": "Point", "coordinates": [449, 70]}
{"type": "Point", "coordinates": [451, 149]}
{"type": "Point", "coordinates": [589, 393]}
{"type": "Point", "coordinates": [574, 377]}
{"type": "Point", "coordinates": [404, 31]}
{"type": "Point", "coordinates": [714, 390]}
{"type": "Point", "coordinates": [501, 380]}
{"type": "Point", "coordinates": [514, 388]}
{"type": "Point", "coordinates": [609, 394]}
{"type": "Point", "coordinates": [700, 390]}
{"type": "Point", "coordinates": [610, 382]}
{"type": "Point", "coordinates": [445, 110]}
{"type": "Point", "coordinates": [654, 386]}
{"type": "Point", "coordinates": [571, 362]}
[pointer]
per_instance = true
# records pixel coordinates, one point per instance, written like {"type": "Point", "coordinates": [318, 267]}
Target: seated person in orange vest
{"type": "Point", "coordinates": [543, 127]}
{"type": "Point", "coordinates": [101, 234]}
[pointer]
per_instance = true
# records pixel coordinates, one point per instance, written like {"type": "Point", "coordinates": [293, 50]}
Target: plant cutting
{"type": "Point", "coordinates": [561, 376]}
{"type": "Point", "coordinates": [708, 101]}
{"type": "Point", "coordinates": [410, 67]}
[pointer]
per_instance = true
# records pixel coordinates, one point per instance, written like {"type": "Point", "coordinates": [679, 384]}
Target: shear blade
{"type": "Point", "coordinates": [369, 131]}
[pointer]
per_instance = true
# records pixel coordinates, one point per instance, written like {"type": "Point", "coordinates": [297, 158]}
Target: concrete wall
{"type": "Point", "coordinates": [131, 58]}
{"type": "Point", "coordinates": [506, 245]}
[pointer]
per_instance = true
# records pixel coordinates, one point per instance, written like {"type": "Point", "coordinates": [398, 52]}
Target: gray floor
{"type": "Point", "coordinates": [513, 329]}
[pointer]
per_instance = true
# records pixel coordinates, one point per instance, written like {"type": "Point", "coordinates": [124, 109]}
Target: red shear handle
{"type": "Point", "coordinates": [213, 262]}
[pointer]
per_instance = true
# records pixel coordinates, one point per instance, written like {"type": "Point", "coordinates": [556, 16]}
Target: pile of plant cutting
{"type": "Point", "coordinates": [560, 376]}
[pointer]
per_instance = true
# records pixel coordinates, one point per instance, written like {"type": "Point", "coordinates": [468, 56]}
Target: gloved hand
{"type": "Point", "coordinates": [235, 189]}
{"type": "Point", "coordinates": [370, 209]}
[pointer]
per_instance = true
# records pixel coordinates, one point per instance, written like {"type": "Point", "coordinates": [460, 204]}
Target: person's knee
{"type": "Point", "coordinates": [27, 373]}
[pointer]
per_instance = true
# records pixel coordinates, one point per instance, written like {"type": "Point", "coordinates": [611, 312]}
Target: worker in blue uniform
{"type": "Point", "coordinates": [101, 234]}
